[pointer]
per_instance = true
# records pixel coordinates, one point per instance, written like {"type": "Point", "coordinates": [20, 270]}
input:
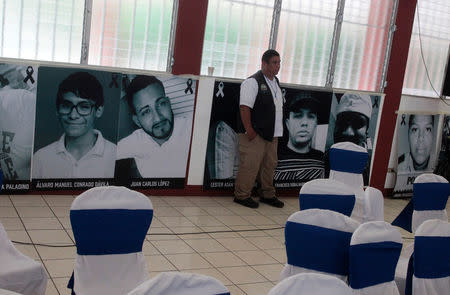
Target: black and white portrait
{"type": "Point", "coordinates": [155, 130]}
{"type": "Point", "coordinates": [443, 165]}
{"type": "Point", "coordinates": [354, 118]}
{"type": "Point", "coordinates": [416, 148]}
{"type": "Point", "coordinates": [301, 150]}
{"type": "Point", "coordinates": [222, 152]}
{"type": "Point", "coordinates": [76, 124]}
{"type": "Point", "coordinates": [17, 111]}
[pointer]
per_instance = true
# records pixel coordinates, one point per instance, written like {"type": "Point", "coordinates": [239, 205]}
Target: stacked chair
{"type": "Point", "coordinates": [431, 259]}
{"type": "Point", "coordinates": [18, 272]}
{"type": "Point", "coordinates": [327, 194]}
{"type": "Point", "coordinates": [311, 284]}
{"type": "Point", "coordinates": [109, 225]}
{"type": "Point", "coordinates": [374, 252]}
{"type": "Point", "coordinates": [430, 195]}
{"type": "Point", "coordinates": [347, 163]}
{"type": "Point", "coordinates": [318, 241]}
{"type": "Point", "coordinates": [170, 283]}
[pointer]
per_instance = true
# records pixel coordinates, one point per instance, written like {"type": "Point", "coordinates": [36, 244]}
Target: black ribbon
{"type": "Point", "coordinates": [375, 103]}
{"type": "Point", "coordinates": [125, 82]}
{"type": "Point", "coordinates": [114, 81]}
{"type": "Point", "coordinates": [403, 120]}
{"type": "Point", "coordinates": [29, 76]}
{"type": "Point", "coordinates": [189, 86]}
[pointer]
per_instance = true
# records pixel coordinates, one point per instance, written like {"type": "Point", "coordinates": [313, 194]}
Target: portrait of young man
{"type": "Point", "coordinates": [420, 144]}
{"type": "Point", "coordinates": [157, 146]}
{"type": "Point", "coordinates": [355, 120]}
{"type": "Point", "coordinates": [300, 157]}
{"type": "Point", "coordinates": [17, 111]}
{"type": "Point", "coordinates": [82, 150]}
{"type": "Point", "coordinates": [416, 149]}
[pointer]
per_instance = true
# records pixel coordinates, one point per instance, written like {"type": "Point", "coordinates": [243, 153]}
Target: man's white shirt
{"type": "Point", "coordinates": [249, 91]}
{"type": "Point", "coordinates": [54, 161]}
{"type": "Point", "coordinates": [154, 160]}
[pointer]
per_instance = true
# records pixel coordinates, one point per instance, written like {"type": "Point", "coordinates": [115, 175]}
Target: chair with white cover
{"type": "Point", "coordinates": [179, 283]}
{"type": "Point", "coordinates": [311, 284]}
{"type": "Point", "coordinates": [431, 258]}
{"type": "Point", "coordinates": [430, 196]}
{"type": "Point", "coordinates": [374, 252]}
{"type": "Point", "coordinates": [19, 273]}
{"type": "Point", "coordinates": [347, 163]}
{"type": "Point", "coordinates": [327, 194]}
{"type": "Point", "coordinates": [109, 225]}
{"type": "Point", "coordinates": [318, 241]}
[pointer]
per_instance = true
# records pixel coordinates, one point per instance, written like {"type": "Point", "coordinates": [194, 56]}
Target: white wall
{"type": "Point", "coordinates": [201, 128]}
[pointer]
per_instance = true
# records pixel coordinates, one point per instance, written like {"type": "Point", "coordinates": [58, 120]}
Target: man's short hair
{"type": "Point", "coordinates": [140, 82]}
{"type": "Point", "coordinates": [83, 85]}
{"type": "Point", "coordinates": [268, 54]}
{"type": "Point", "coordinates": [412, 116]}
{"type": "Point", "coordinates": [301, 100]}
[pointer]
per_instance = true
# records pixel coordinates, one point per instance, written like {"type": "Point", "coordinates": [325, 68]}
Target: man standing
{"type": "Point", "coordinates": [81, 152]}
{"type": "Point", "coordinates": [298, 161]}
{"type": "Point", "coordinates": [159, 148]}
{"type": "Point", "coordinates": [420, 139]}
{"type": "Point", "coordinates": [260, 125]}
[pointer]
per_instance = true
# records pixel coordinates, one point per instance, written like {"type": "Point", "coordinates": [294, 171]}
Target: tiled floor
{"type": "Point", "coordinates": [247, 262]}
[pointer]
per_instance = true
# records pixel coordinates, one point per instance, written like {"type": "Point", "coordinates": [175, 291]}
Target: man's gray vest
{"type": "Point", "coordinates": [263, 112]}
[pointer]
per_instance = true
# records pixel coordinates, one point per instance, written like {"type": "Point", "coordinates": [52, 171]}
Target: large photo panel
{"type": "Point", "coordinates": [17, 110]}
{"type": "Point", "coordinates": [76, 128]}
{"type": "Point", "coordinates": [443, 164]}
{"type": "Point", "coordinates": [354, 117]}
{"type": "Point", "coordinates": [222, 152]}
{"type": "Point", "coordinates": [416, 149]}
{"type": "Point", "coordinates": [301, 149]}
{"type": "Point", "coordinates": [155, 128]}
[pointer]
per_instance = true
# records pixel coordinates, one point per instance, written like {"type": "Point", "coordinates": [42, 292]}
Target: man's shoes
{"type": "Point", "coordinates": [272, 202]}
{"type": "Point", "coordinates": [248, 202]}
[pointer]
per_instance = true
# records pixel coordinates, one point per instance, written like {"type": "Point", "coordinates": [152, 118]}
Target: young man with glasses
{"type": "Point", "coordinates": [159, 147]}
{"type": "Point", "coordinates": [81, 152]}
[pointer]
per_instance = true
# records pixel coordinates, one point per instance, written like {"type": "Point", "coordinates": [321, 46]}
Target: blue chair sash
{"type": "Point", "coordinates": [348, 161]}
{"type": "Point", "coordinates": [420, 201]}
{"type": "Point", "coordinates": [431, 257]}
{"type": "Point", "coordinates": [339, 203]}
{"type": "Point", "coordinates": [110, 231]}
{"type": "Point", "coordinates": [317, 248]}
{"type": "Point", "coordinates": [430, 196]}
{"type": "Point", "coordinates": [381, 258]}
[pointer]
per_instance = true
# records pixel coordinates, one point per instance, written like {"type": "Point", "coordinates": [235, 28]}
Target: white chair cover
{"type": "Point", "coordinates": [18, 272]}
{"type": "Point", "coordinates": [430, 195]}
{"type": "Point", "coordinates": [327, 194]}
{"type": "Point", "coordinates": [109, 226]}
{"type": "Point", "coordinates": [374, 251]}
{"type": "Point", "coordinates": [402, 267]}
{"type": "Point", "coordinates": [178, 283]}
{"type": "Point", "coordinates": [311, 284]}
{"type": "Point", "coordinates": [432, 258]}
{"type": "Point", "coordinates": [318, 241]}
{"type": "Point", "coordinates": [347, 162]}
